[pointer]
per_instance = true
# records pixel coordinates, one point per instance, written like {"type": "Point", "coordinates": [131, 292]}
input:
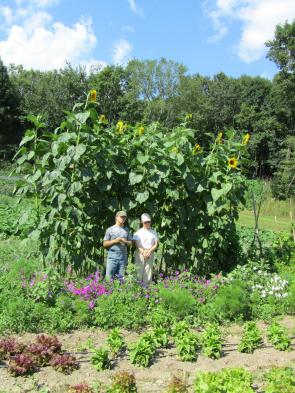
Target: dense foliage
{"type": "Point", "coordinates": [88, 169]}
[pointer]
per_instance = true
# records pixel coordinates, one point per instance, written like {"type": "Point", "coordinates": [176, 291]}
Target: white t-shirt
{"type": "Point", "coordinates": [145, 237]}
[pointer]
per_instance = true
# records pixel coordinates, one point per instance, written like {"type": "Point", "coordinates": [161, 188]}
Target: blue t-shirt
{"type": "Point", "coordinates": [114, 232]}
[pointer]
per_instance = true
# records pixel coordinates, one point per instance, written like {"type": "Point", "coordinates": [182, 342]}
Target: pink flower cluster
{"type": "Point", "coordinates": [91, 291]}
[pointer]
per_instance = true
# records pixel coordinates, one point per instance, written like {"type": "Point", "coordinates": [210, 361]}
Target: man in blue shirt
{"type": "Point", "coordinates": [116, 240]}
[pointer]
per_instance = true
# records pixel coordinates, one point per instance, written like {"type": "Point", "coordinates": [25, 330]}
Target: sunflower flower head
{"type": "Point", "coordinates": [121, 127]}
{"type": "Point", "coordinates": [175, 150]}
{"type": "Point", "coordinates": [197, 149]}
{"type": "Point", "coordinates": [232, 162]}
{"type": "Point", "coordinates": [140, 130]}
{"type": "Point", "coordinates": [188, 117]}
{"type": "Point", "coordinates": [219, 137]}
{"type": "Point", "coordinates": [102, 119]}
{"type": "Point", "coordinates": [92, 95]}
{"type": "Point", "coordinates": [246, 139]}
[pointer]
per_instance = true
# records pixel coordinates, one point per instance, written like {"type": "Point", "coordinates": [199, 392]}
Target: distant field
{"type": "Point", "coordinates": [277, 224]}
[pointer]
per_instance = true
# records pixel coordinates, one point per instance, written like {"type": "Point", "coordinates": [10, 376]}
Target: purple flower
{"type": "Point", "coordinates": [91, 305]}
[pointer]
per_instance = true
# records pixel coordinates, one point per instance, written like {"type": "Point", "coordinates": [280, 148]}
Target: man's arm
{"type": "Point", "coordinates": [109, 243]}
{"type": "Point", "coordinates": [127, 242]}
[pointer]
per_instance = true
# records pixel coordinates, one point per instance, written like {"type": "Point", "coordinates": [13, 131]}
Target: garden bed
{"type": "Point", "coordinates": [165, 364]}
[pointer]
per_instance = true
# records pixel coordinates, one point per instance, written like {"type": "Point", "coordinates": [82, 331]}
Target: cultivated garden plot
{"type": "Point", "coordinates": [219, 313]}
{"type": "Point", "coordinates": [164, 364]}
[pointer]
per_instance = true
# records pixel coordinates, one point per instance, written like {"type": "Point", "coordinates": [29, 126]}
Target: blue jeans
{"type": "Point", "coordinates": [116, 264]}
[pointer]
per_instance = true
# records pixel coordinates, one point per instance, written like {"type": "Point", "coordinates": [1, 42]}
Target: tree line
{"type": "Point", "coordinates": [163, 91]}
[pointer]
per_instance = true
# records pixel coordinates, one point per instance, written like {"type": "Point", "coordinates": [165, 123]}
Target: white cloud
{"type": "Point", "coordinates": [121, 51]}
{"type": "Point", "coordinates": [259, 19]}
{"type": "Point", "coordinates": [134, 8]}
{"type": "Point", "coordinates": [43, 48]}
{"type": "Point", "coordinates": [36, 41]}
{"type": "Point", "coordinates": [128, 28]}
{"type": "Point", "coordinates": [37, 3]}
{"type": "Point", "coordinates": [7, 14]}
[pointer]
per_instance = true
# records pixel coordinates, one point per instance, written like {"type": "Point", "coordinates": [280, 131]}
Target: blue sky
{"type": "Point", "coordinates": [207, 36]}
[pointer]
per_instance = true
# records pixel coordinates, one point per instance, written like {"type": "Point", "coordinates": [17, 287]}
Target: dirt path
{"type": "Point", "coordinates": [155, 378]}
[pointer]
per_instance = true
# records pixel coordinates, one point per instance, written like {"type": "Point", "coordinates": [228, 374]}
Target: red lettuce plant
{"type": "Point", "coordinates": [80, 388]}
{"type": "Point", "coordinates": [9, 346]}
{"type": "Point", "coordinates": [64, 363]}
{"type": "Point", "coordinates": [123, 382]}
{"type": "Point", "coordinates": [44, 349]}
{"type": "Point", "coordinates": [21, 364]}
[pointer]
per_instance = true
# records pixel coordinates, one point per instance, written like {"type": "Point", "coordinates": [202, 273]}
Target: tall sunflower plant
{"type": "Point", "coordinates": [88, 168]}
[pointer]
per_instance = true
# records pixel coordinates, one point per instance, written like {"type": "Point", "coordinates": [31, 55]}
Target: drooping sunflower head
{"type": "Point", "coordinates": [140, 130]}
{"type": "Point", "coordinates": [92, 95]}
{"type": "Point", "coordinates": [120, 127]}
{"type": "Point", "coordinates": [197, 148]}
{"type": "Point", "coordinates": [232, 162]}
{"type": "Point", "coordinates": [102, 119]}
{"type": "Point", "coordinates": [246, 138]}
{"type": "Point", "coordinates": [219, 137]}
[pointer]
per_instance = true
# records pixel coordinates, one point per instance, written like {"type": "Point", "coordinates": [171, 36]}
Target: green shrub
{"type": "Point", "coordinates": [231, 303]}
{"type": "Point", "coordinates": [120, 309]}
{"type": "Point", "coordinates": [178, 301]}
{"type": "Point", "coordinates": [16, 219]}
{"type": "Point", "coordinates": [160, 317]}
{"type": "Point", "coordinates": [290, 300]}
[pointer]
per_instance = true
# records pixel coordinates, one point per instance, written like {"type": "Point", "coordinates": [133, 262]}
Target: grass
{"type": "Point", "coordinates": [270, 222]}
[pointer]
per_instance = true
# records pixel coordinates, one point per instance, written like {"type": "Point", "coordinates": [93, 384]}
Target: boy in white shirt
{"type": "Point", "coordinates": [146, 241]}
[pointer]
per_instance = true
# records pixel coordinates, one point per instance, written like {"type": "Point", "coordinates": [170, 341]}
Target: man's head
{"type": "Point", "coordinates": [121, 217]}
{"type": "Point", "coordinates": [146, 220]}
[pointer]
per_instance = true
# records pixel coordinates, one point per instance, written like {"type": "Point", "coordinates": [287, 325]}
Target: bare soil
{"type": "Point", "coordinates": [155, 378]}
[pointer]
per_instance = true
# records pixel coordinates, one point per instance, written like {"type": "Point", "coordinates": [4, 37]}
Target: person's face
{"type": "Point", "coordinates": [121, 220]}
{"type": "Point", "coordinates": [146, 224]}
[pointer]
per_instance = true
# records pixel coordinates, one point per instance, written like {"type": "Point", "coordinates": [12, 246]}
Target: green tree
{"type": "Point", "coordinates": [156, 84]}
{"type": "Point", "coordinates": [9, 102]}
{"type": "Point", "coordinates": [283, 185]}
{"type": "Point", "coordinates": [48, 93]}
{"type": "Point", "coordinates": [225, 101]}
{"type": "Point", "coordinates": [116, 97]}
{"type": "Point", "coordinates": [282, 52]}
{"type": "Point", "coordinates": [193, 98]}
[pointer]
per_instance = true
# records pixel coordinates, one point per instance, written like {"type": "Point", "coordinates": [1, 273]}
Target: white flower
{"type": "Point", "coordinates": [285, 294]}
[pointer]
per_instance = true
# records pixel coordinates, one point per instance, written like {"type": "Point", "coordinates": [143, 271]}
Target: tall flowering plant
{"type": "Point", "coordinates": [88, 168]}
